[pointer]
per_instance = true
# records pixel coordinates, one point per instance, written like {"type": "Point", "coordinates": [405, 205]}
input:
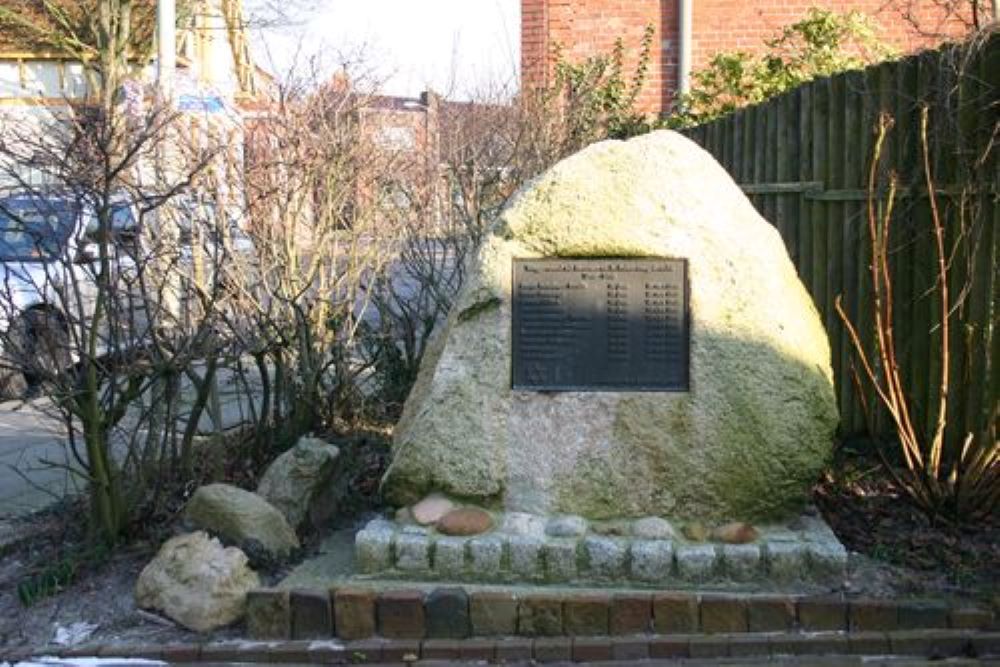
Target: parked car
{"type": "Point", "coordinates": [48, 251]}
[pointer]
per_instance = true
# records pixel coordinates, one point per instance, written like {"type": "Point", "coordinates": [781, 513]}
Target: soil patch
{"type": "Point", "coordinates": [898, 548]}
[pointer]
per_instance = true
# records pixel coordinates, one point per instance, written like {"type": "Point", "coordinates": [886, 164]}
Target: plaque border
{"type": "Point", "coordinates": [681, 388]}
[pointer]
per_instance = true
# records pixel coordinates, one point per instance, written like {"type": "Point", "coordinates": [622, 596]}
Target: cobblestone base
{"type": "Point", "coordinates": [781, 555]}
{"type": "Point", "coordinates": [828, 647]}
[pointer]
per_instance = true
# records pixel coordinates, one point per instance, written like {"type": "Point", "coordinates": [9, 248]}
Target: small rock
{"type": "Point", "coordinates": [522, 523]}
{"type": "Point", "coordinates": [404, 516]}
{"type": "Point", "coordinates": [430, 510]}
{"type": "Point", "coordinates": [465, 521]}
{"type": "Point", "coordinates": [380, 524]}
{"type": "Point", "coordinates": [566, 526]}
{"type": "Point", "coordinates": [695, 531]}
{"type": "Point", "coordinates": [74, 633]}
{"type": "Point", "coordinates": [196, 582]}
{"type": "Point", "coordinates": [653, 528]}
{"type": "Point", "coordinates": [619, 528]}
{"type": "Point", "coordinates": [735, 533]}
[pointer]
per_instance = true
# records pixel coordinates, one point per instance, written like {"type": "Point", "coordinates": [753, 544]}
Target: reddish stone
{"type": "Point", "coordinates": [924, 614]}
{"type": "Point", "coordinates": [513, 649]}
{"type": "Point", "coordinates": [823, 613]}
{"type": "Point", "coordinates": [675, 613]}
{"type": "Point", "coordinates": [540, 615]}
{"type": "Point", "coordinates": [365, 650]}
{"type": "Point", "coordinates": [493, 613]}
{"type": "Point", "coordinates": [771, 613]}
{"type": "Point", "coordinates": [630, 649]}
{"type": "Point", "coordinates": [735, 533]}
{"type": "Point", "coordinates": [400, 650]}
{"type": "Point", "coordinates": [709, 646]}
{"type": "Point", "coordinates": [401, 614]}
{"type": "Point", "coordinates": [478, 649]}
{"type": "Point", "coordinates": [748, 645]}
{"type": "Point", "coordinates": [631, 613]}
{"type": "Point", "coordinates": [283, 653]}
{"type": "Point", "coordinates": [723, 613]}
{"type": "Point", "coordinates": [675, 646]}
{"type": "Point", "coordinates": [268, 614]}
{"type": "Point", "coordinates": [591, 649]}
{"type": "Point", "coordinates": [311, 615]}
{"type": "Point", "coordinates": [869, 615]}
{"type": "Point", "coordinates": [585, 615]}
{"type": "Point", "coordinates": [868, 643]}
{"type": "Point", "coordinates": [354, 613]}
{"type": "Point", "coordinates": [465, 521]}
{"type": "Point", "coordinates": [933, 644]}
{"type": "Point", "coordinates": [970, 618]}
{"type": "Point", "coordinates": [440, 649]}
{"type": "Point", "coordinates": [553, 649]}
{"type": "Point", "coordinates": [172, 653]}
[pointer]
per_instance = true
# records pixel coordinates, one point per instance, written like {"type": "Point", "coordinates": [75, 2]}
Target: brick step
{"type": "Point", "coordinates": [843, 648]}
{"type": "Point", "coordinates": [453, 612]}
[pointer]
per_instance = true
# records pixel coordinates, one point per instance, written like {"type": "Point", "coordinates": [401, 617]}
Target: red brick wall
{"type": "Point", "coordinates": [587, 27]}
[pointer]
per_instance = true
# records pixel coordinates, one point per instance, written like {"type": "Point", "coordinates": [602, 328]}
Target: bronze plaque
{"type": "Point", "coordinates": [600, 325]}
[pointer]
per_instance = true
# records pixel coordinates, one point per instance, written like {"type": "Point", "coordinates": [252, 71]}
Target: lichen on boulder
{"type": "Point", "coordinates": [745, 442]}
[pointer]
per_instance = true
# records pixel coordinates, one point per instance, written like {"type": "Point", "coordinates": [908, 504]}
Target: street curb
{"type": "Point", "coordinates": [929, 644]}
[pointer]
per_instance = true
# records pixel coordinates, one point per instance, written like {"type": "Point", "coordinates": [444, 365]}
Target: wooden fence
{"type": "Point", "coordinates": [803, 158]}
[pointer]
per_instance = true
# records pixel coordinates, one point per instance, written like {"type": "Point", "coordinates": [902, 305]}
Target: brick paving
{"type": "Point", "coordinates": [450, 612]}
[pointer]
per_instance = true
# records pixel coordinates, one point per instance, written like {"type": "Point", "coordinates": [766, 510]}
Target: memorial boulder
{"type": "Point", "coordinates": [632, 340]}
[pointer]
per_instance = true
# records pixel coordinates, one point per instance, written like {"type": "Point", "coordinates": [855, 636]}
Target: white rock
{"type": "Point", "coordinates": [521, 523]}
{"type": "Point", "coordinates": [605, 556]}
{"type": "Point", "coordinates": [196, 582]}
{"type": "Point", "coordinates": [560, 560]}
{"type": "Point", "coordinates": [653, 528]}
{"type": "Point", "coordinates": [485, 555]}
{"type": "Point", "coordinates": [566, 526]}
{"type": "Point", "coordinates": [652, 560]}
{"type": "Point", "coordinates": [430, 510]}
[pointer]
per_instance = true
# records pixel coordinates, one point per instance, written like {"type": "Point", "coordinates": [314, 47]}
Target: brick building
{"type": "Point", "coordinates": [582, 28]}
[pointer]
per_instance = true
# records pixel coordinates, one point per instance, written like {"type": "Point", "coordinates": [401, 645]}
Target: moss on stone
{"type": "Point", "coordinates": [478, 308]}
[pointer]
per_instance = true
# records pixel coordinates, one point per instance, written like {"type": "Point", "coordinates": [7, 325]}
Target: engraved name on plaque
{"type": "Point", "coordinates": [600, 325]}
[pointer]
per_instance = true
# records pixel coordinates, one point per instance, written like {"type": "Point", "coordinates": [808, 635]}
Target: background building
{"type": "Point", "coordinates": [582, 28]}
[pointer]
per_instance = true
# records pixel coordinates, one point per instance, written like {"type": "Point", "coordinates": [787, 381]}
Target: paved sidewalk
{"type": "Point", "coordinates": [32, 437]}
{"type": "Point", "coordinates": [28, 437]}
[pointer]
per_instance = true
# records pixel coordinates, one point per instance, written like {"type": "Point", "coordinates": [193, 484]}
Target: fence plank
{"type": "Point", "coordinates": [805, 174]}
{"type": "Point", "coordinates": [852, 419]}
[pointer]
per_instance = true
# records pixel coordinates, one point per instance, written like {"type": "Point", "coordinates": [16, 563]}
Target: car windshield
{"type": "Point", "coordinates": [34, 229]}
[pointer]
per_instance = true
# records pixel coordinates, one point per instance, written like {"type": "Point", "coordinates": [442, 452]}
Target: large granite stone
{"type": "Point", "coordinates": [744, 443]}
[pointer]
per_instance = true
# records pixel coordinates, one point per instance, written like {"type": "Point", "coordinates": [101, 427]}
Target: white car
{"type": "Point", "coordinates": [48, 258]}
